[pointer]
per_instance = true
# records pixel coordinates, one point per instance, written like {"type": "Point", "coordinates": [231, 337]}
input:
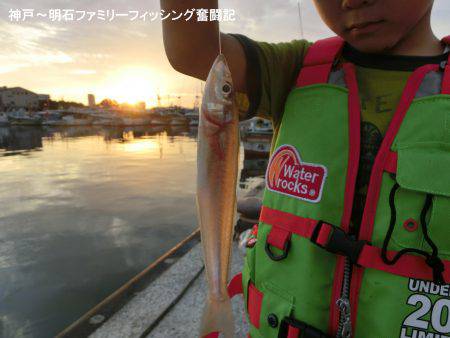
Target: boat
{"type": "Point", "coordinates": [4, 121]}
{"type": "Point", "coordinates": [109, 122]}
{"type": "Point", "coordinates": [256, 135]}
{"type": "Point", "coordinates": [64, 118]}
{"type": "Point", "coordinates": [51, 118]}
{"type": "Point", "coordinates": [168, 116]}
{"type": "Point", "coordinates": [76, 119]}
{"type": "Point", "coordinates": [178, 120]}
{"type": "Point", "coordinates": [193, 117]}
{"type": "Point", "coordinates": [21, 117]}
{"type": "Point", "coordinates": [164, 300]}
{"type": "Point", "coordinates": [159, 119]}
{"type": "Point", "coordinates": [256, 127]}
{"type": "Point", "coordinates": [134, 121]}
{"type": "Point", "coordinates": [169, 119]}
{"type": "Point", "coordinates": [106, 119]}
{"type": "Point", "coordinates": [257, 148]}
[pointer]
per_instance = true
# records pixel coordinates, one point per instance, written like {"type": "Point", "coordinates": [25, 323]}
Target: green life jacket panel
{"type": "Point", "coordinates": [307, 275]}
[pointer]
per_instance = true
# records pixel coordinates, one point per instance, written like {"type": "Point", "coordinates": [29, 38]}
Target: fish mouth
{"type": "Point", "coordinates": [221, 58]}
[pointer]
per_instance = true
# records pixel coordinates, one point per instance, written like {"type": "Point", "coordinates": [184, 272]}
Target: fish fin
{"type": "Point", "coordinates": [217, 317]}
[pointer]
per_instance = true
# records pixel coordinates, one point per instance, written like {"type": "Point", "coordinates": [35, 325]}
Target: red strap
{"type": "Point", "coordinates": [278, 237]}
{"type": "Point", "coordinates": [391, 162]}
{"type": "Point", "coordinates": [319, 61]}
{"type": "Point", "coordinates": [324, 234]}
{"type": "Point", "coordinates": [287, 221]}
{"type": "Point", "coordinates": [235, 286]}
{"type": "Point", "coordinates": [254, 302]}
{"type": "Point", "coordinates": [354, 130]}
{"type": "Point", "coordinates": [293, 332]}
{"type": "Point", "coordinates": [446, 79]}
{"type": "Point", "coordinates": [411, 266]}
{"type": "Point", "coordinates": [446, 40]}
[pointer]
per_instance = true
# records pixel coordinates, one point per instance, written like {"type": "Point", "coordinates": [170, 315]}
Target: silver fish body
{"type": "Point", "coordinates": [217, 169]}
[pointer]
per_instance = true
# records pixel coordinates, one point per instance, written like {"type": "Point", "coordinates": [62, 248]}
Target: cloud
{"type": "Point", "coordinates": [83, 72]}
{"type": "Point", "coordinates": [10, 68]}
{"type": "Point", "coordinates": [22, 37]}
{"type": "Point", "coordinates": [24, 47]}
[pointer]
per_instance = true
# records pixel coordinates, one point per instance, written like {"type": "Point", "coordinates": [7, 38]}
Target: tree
{"type": "Point", "coordinates": [109, 103]}
{"type": "Point", "coordinates": [62, 104]}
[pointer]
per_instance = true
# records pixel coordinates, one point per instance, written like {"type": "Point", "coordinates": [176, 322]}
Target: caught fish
{"type": "Point", "coordinates": [217, 168]}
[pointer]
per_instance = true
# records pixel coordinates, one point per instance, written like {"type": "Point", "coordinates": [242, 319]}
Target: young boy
{"type": "Point", "coordinates": [354, 236]}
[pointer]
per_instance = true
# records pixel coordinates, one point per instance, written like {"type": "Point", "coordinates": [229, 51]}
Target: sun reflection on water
{"type": "Point", "coordinates": [141, 146]}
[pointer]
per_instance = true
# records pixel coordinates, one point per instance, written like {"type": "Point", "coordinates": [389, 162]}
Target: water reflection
{"type": "Point", "coordinates": [19, 138]}
{"type": "Point", "coordinates": [82, 213]}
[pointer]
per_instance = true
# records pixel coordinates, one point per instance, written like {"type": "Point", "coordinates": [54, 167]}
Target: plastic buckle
{"type": "Point", "coordinates": [339, 242]}
{"type": "Point", "coordinates": [306, 331]}
{"type": "Point", "coordinates": [283, 255]}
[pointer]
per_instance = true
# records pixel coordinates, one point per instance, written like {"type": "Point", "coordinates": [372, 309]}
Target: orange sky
{"type": "Point", "coordinates": [124, 59]}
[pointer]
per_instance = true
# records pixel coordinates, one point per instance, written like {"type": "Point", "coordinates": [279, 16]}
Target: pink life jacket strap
{"type": "Point", "coordinates": [446, 79]}
{"type": "Point", "coordinates": [319, 60]}
{"type": "Point", "coordinates": [391, 162]}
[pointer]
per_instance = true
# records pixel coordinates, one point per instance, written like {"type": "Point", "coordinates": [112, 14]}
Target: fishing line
{"type": "Point", "coordinates": [220, 40]}
{"type": "Point", "coordinates": [299, 6]}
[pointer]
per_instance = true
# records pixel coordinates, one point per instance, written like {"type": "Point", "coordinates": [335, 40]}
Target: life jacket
{"type": "Point", "coordinates": [307, 276]}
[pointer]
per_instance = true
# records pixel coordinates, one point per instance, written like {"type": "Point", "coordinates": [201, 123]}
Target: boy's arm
{"type": "Point", "coordinates": [192, 46]}
{"type": "Point", "coordinates": [272, 70]}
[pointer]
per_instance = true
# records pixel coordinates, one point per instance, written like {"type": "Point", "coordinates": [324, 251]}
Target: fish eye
{"type": "Point", "coordinates": [226, 89]}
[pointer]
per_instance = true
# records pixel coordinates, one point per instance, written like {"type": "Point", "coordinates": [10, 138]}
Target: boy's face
{"type": "Point", "coordinates": [375, 25]}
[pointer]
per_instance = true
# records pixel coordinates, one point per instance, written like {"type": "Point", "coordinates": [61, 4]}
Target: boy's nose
{"type": "Point", "coordinates": [353, 4]}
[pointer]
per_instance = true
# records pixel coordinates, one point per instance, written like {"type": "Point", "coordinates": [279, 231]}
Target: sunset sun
{"type": "Point", "coordinates": [131, 85]}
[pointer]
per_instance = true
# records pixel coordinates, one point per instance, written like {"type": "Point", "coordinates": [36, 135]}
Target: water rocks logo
{"type": "Point", "coordinates": [288, 175]}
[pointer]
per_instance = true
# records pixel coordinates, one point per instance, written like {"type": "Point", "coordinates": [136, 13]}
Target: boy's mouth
{"type": "Point", "coordinates": [364, 27]}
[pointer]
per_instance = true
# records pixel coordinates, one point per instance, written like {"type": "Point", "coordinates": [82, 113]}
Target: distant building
{"type": "Point", "coordinates": [17, 97]}
{"type": "Point", "coordinates": [91, 100]}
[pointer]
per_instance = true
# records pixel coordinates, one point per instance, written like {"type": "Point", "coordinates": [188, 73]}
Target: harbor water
{"type": "Point", "coordinates": [83, 210]}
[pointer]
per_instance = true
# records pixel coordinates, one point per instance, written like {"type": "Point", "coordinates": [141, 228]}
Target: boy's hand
{"type": "Point", "coordinates": [192, 46]}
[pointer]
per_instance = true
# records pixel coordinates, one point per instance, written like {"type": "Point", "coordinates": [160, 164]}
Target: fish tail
{"type": "Point", "coordinates": [217, 317]}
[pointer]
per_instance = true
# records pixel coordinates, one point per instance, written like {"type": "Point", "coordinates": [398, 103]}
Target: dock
{"type": "Point", "coordinates": [168, 304]}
